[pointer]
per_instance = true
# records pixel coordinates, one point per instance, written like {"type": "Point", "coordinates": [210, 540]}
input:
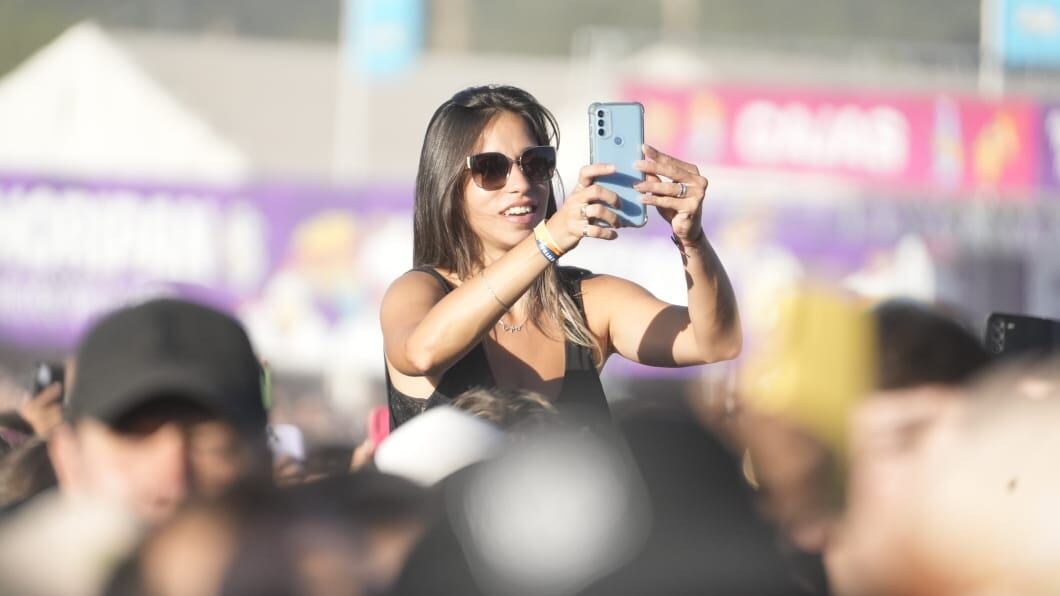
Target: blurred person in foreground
{"type": "Point", "coordinates": [14, 430]}
{"type": "Point", "coordinates": [654, 505]}
{"type": "Point", "coordinates": [487, 306]}
{"type": "Point", "coordinates": [437, 444]}
{"type": "Point", "coordinates": [25, 472]}
{"type": "Point", "coordinates": [798, 392]}
{"type": "Point", "coordinates": [829, 356]}
{"type": "Point", "coordinates": [974, 508]}
{"type": "Point", "coordinates": [924, 358]}
{"type": "Point", "coordinates": [507, 408]}
{"type": "Point", "coordinates": [919, 344]}
{"type": "Point", "coordinates": [43, 411]}
{"type": "Point", "coordinates": [37, 415]}
{"type": "Point", "coordinates": [708, 535]}
{"type": "Point", "coordinates": [167, 404]}
{"type": "Point", "coordinates": [340, 536]}
{"type": "Point", "coordinates": [476, 427]}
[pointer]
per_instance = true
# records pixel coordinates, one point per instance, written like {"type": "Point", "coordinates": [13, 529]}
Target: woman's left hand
{"type": "Point", "coordinates": [680, 200]}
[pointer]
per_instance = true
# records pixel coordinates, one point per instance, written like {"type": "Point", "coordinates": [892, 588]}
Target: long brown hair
{"type": "Point", "coordinates": [442, 236]}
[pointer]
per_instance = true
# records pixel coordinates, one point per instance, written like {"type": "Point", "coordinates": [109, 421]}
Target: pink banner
{"type": "Point", "coordinates": [914, 142]}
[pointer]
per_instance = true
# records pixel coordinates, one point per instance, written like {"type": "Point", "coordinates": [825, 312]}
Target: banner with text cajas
{"type": "Point", "coordinates": [953, 145]}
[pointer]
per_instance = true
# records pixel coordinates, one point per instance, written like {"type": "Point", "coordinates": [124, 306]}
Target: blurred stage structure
{"type": "Point", "coordinates": [264, 177]}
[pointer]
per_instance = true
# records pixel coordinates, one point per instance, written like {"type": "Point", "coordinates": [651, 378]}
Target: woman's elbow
{"type": "Point", "coordinates": [732, 351]}
{"type": "Point", "coordinates": [725, 350]}
{"type": "Point", "coordinates": [420, 360]}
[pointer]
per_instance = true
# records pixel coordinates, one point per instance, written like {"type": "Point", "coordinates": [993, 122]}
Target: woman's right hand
{"type": "Point", "coordinates": [583, 212]}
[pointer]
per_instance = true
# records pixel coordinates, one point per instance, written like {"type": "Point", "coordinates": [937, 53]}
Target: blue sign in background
{"type": "Point", "coordinates": [382, 38]}
{"type": "Point", "coordinates": [1029, 32]}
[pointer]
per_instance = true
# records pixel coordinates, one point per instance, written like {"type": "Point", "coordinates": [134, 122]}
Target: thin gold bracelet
{"type": "Point", "coordinates": [482, 274]}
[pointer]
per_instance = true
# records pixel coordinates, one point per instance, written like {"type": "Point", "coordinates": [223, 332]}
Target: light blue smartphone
{"type": "Point", "coordinates": [616, 133]}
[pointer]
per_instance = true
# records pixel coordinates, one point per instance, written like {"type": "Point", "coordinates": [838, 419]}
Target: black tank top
{"type": "Point", "coordinates": [581, 382]}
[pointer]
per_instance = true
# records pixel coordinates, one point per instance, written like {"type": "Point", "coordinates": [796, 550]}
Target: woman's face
{"type": "Point", "coordinates": [502, 218]}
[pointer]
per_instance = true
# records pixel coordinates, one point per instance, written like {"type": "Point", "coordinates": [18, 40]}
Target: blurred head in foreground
{"type": "Point", "coordinates": [25, 472]}
{"type": "Point", "coordinates": [658, 507]}
{"type": "Point", "coordinates": [510, 409]}
{"type": "Point", "coordinates": [706, 534]}
{"type": "Point", "coordinates": [799, 391]}
{"type": "Point", "coordinates": [918, 344]}
{"type": "Point", "coordinates": [167, 403]}
{"type": "Point", "coordinates": [979, 511]}
{"type": "Point", "coordinates": [924, 358]}
{"type": "Point", "coordinates": [438, 443]}
{"type": "Point", "coordinates": [343, 536]}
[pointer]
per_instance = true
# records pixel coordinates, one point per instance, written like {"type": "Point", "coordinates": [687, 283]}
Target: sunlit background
{"type": "Point", "coordinates": [261, 156]}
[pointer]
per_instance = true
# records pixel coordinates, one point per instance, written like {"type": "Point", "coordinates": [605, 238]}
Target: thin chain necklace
{"type": "Point", "coordinates": [512, 328]}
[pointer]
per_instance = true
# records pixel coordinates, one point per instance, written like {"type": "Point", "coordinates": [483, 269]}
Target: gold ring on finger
{"type": "Point", "coordinates": [585, 215]}
{"type": "Point", "coordinates": [683, 190]}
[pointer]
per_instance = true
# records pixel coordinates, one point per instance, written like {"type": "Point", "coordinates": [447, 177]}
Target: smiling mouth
{"type": "Point", "coordinates": [520, 210]}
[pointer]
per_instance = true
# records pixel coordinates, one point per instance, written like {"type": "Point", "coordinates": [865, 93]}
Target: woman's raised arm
{"type": "Point", "coordinates": [648, 330]}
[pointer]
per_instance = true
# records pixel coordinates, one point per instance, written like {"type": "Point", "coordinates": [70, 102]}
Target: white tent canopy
{"type": "Point", "coordinates": [82, 106]}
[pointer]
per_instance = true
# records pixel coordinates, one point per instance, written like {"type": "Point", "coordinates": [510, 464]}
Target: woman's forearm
{"type": "Point", "coordinates": [465, 315]}
{"type": "Point", "coordinates": [711, 302]}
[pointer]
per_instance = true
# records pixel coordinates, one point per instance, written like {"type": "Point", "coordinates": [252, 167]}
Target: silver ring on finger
{"type": "Point", "coordinates": [683, 190]}
{"type": "Point", "coordinates": [585, 229]}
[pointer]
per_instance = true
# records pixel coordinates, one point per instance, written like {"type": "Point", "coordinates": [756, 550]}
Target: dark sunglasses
{"type": "Point", "coordinates": [490, 170]}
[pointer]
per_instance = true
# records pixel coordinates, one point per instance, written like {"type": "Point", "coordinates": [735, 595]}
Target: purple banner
{"type": "Point", "coordinates": [71, 250]}
{"type": "Point", "coordinates": [305, 268]}
{"type": "Point", "coordinates": [1051, 149]}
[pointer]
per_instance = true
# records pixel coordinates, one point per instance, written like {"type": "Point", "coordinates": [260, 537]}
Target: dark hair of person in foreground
{"type": "Point", "coordinates": [918, 344]}
{"type": "Point", "coordinates": [339, 536]}
{"type": "Point", "coordinates": [25, 472]}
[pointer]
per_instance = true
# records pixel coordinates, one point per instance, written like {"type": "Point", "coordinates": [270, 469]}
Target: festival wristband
{"type": "Point", "coordinates": [543, 236]}
{"type": "Point", "coordinates": [545, 250]}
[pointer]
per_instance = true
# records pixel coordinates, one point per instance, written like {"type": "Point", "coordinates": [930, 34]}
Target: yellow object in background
{"type": "Point", "coordinates": [817, 363]}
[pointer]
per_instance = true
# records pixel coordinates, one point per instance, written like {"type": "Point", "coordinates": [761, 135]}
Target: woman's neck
{"type": "Point", "coordinates": [491, 256]}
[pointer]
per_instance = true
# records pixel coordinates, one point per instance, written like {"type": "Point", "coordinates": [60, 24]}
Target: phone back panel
{"type": "Point", "coordinates": [1008, 334]}
{"type": "Point", "coordinates": [619, 144]}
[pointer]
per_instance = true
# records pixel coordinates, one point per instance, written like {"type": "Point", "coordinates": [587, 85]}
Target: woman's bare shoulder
{"type": "Point", "coordinates": [603, 294]}
{"type": "Point", "coordinates": [416, 285]}
{"type": "Point", "coordinates": [603, 285]}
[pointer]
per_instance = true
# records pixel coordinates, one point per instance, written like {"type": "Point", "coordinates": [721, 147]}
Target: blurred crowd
{"type": "Point", "coordinates": [866, 450]}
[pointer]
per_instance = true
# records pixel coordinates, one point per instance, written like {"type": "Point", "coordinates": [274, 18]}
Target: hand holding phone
{"type": "Point", "coordinates": [616, 135]}
{"type": "Point", "coordinates": [44, 408]}
{"type": "Point", "coordinates": [47, 373]}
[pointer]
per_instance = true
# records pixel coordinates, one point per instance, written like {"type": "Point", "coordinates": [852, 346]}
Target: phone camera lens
{"type": "Point", "coordinates": [600, 122]}
{"type": "Point", "coordinates": [600, 113]}
{"type": "Point", "coordinates": [600, 132]}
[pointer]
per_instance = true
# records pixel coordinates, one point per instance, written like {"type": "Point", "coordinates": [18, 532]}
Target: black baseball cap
{"type": "Point", "coordinates": [168, 349]}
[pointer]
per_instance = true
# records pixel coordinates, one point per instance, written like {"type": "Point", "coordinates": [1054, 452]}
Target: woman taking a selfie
{"type": "Point", "coordinates": [486, 305]}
